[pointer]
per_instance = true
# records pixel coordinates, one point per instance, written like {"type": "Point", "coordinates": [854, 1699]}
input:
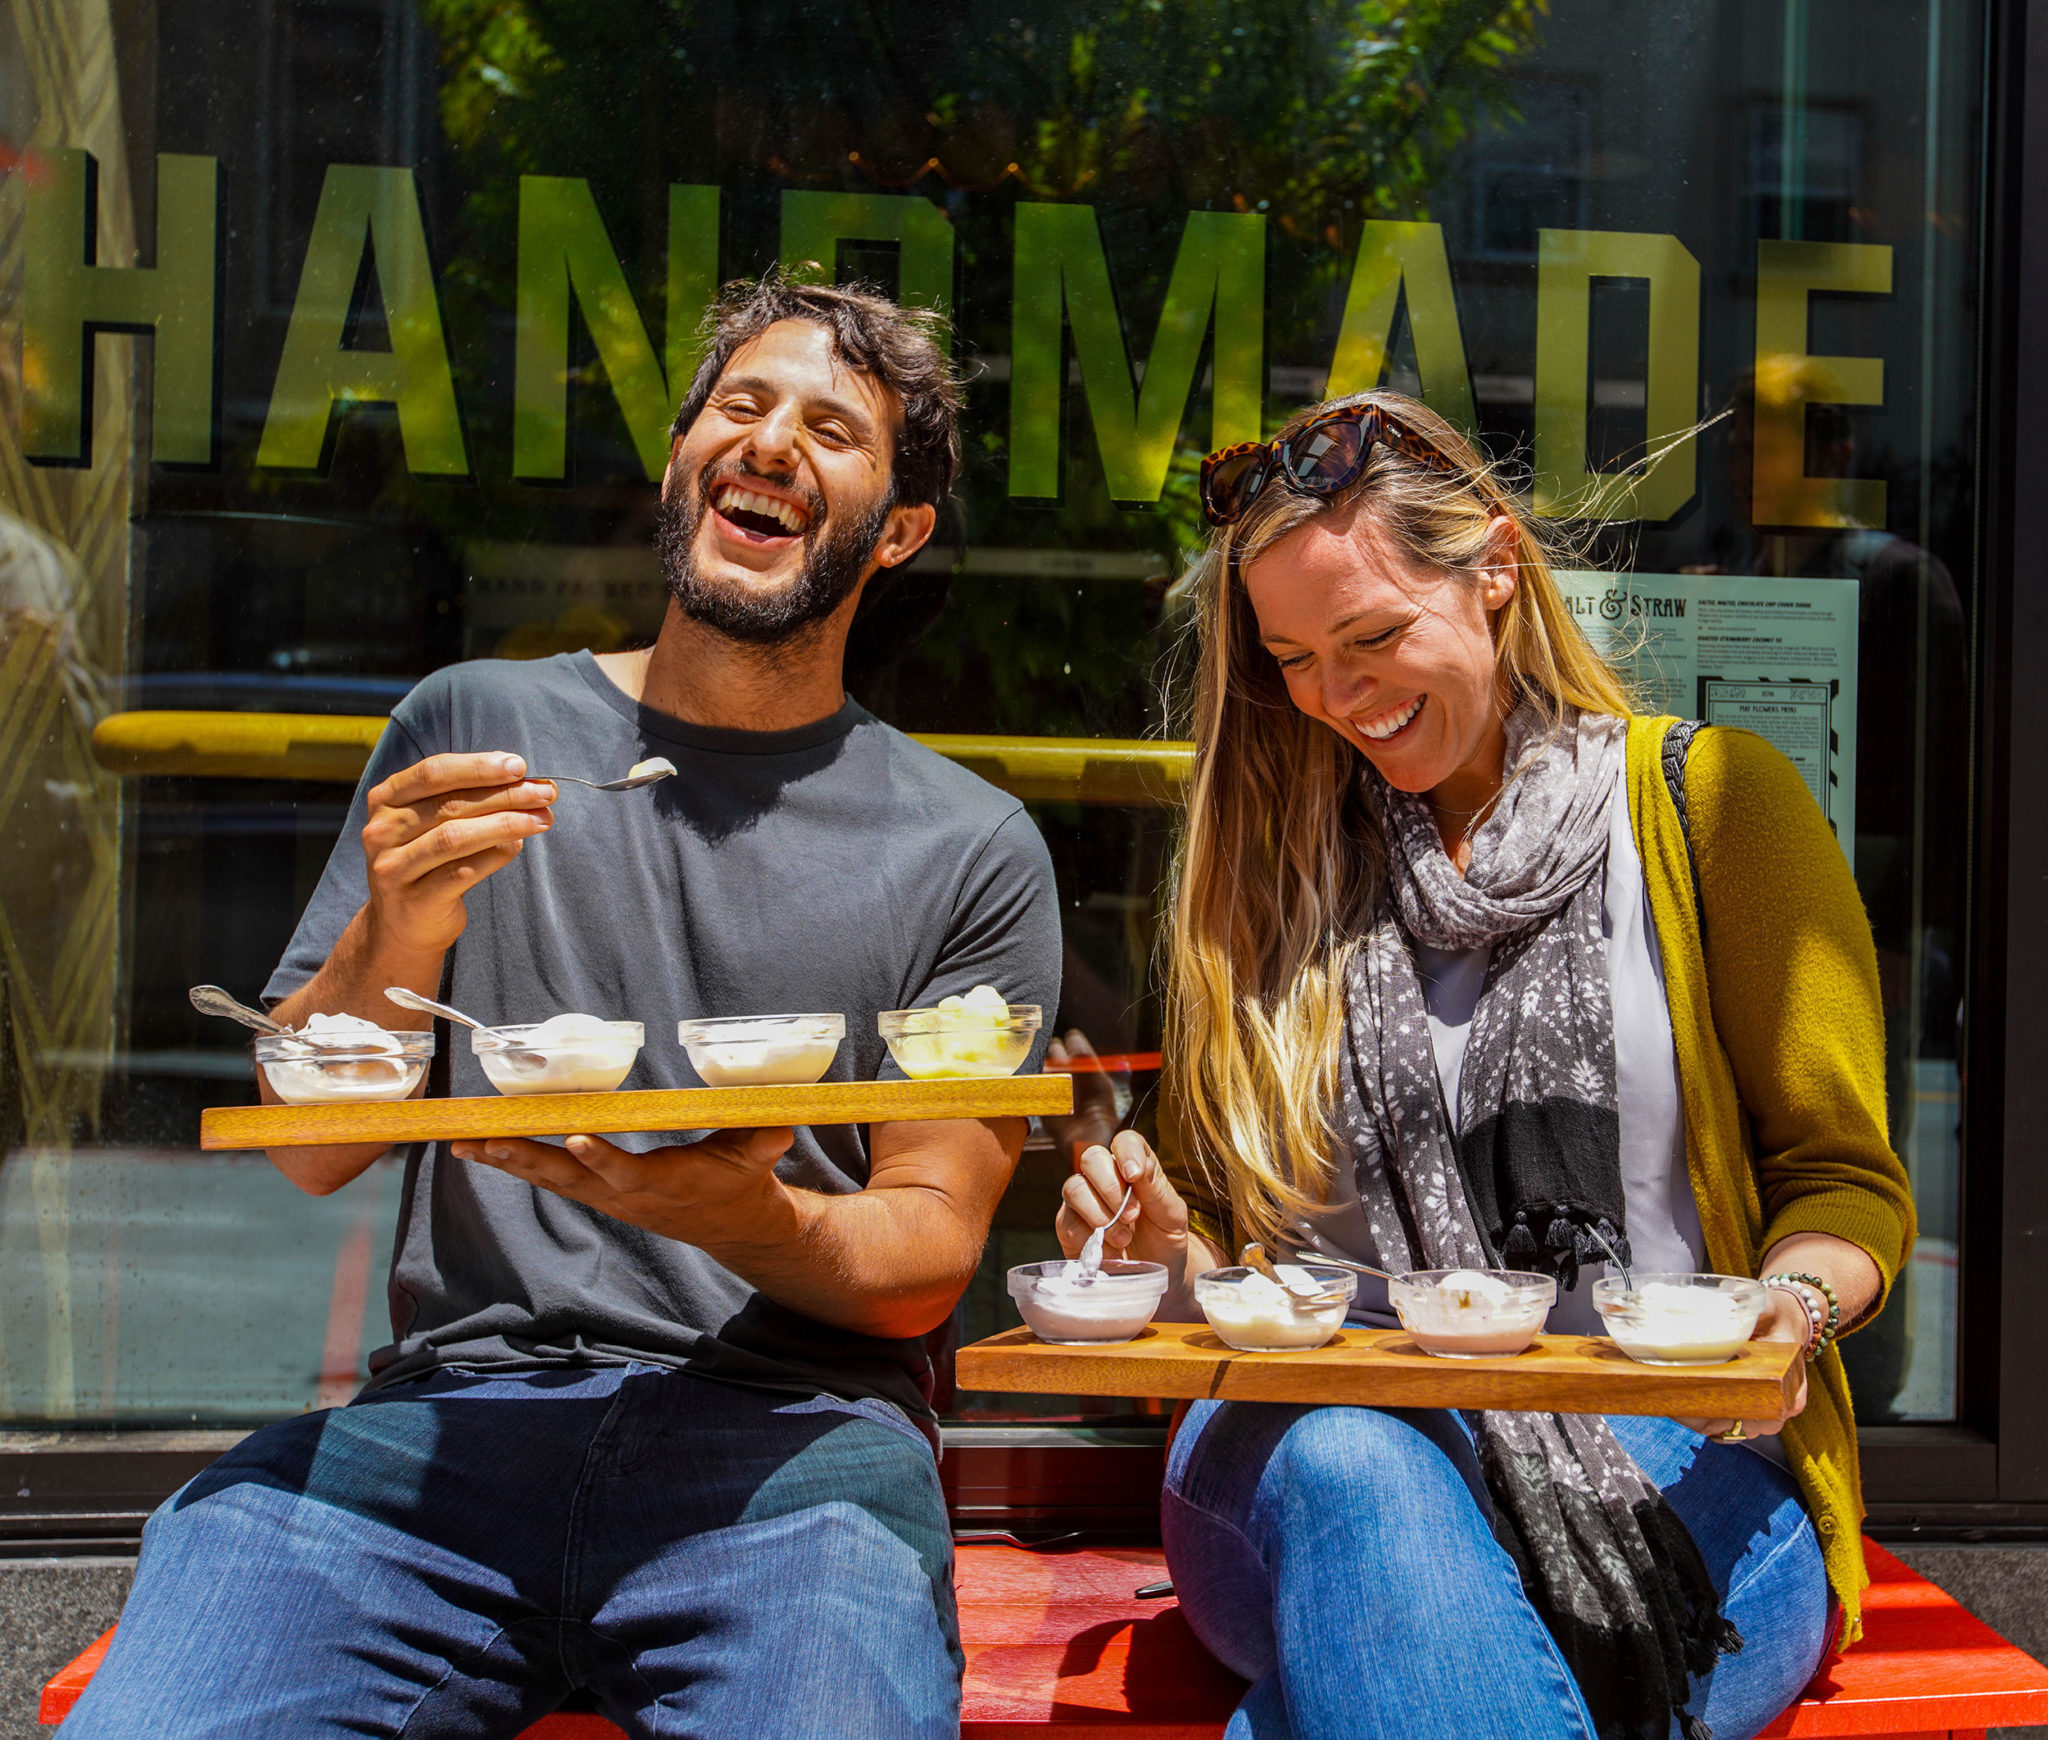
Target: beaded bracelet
{"type": "Point", "coordinates": [1823, 1332]}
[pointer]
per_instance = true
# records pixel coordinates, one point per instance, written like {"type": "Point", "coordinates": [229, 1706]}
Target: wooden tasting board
{"type": "Point", "coordinates": [830, 1102]}
{"type": "Point", "coordinates": [1383, 1368]}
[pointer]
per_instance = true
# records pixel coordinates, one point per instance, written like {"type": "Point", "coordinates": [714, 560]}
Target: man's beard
{"type": "Point", "coordinates": [834, 561]}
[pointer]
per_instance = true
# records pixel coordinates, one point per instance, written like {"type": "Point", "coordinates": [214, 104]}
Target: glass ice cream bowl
{"type": "Point", "coordinates": [570, 1054]}
{"type": "Point", "coordinates": [1114, 1306]}
{"type": "Point", "coordinates": [929, 1044]}
{"type": "Point", "coordinates": [1472, 1313]}
{"type": "Point", "coordinates": [1673, 1319]}
{"type": "Point", "coordinates": [1255, 1315]}
{"type": "Point", "coordinates": [339, 1068]}
{"type": "Point", "coordinates": [762, 1050]}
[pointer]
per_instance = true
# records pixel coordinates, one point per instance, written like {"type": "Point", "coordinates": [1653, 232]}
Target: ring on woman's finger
{"type": "Point", "coordinates": [1734, 1435]}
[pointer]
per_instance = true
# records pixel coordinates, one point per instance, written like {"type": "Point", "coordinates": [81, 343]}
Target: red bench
{"type": "Point", "coordinates": [1060, 1648]}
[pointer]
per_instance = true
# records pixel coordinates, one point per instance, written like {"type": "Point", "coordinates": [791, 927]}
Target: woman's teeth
{"type": "Point", "coordinates": [1386, 724]}
{"type": "Point", "coordinates": [732, 499]}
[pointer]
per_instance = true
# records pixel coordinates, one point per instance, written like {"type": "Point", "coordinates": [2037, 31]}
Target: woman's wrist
{"type": "Point", "coordinates": [1817, 1304]}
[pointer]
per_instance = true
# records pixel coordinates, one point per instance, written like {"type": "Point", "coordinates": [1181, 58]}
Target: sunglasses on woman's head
{"type": "Point", "coordinates": [1323, 456]}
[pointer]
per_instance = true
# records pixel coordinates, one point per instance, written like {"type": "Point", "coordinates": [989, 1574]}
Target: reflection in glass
{"type": "Point", "coordinates": [459, 257]}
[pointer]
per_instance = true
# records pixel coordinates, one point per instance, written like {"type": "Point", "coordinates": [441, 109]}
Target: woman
{"type": "Point", "coordinates": [1470, 966]}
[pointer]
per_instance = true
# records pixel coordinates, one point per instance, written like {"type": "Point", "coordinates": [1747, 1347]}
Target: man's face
{"type": "Point", "coordinates": [777, 504]}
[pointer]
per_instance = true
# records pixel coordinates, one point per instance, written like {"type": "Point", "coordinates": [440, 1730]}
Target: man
{"type": "Point", "coordinates": [654, 1424]}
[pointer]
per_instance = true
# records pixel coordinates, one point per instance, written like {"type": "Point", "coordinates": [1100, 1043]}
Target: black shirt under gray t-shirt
{"type": "Point", "coordinates": [837, 867]}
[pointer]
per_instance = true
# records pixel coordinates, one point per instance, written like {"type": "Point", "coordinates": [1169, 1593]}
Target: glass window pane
{"type": "Point", "coordinates": [1158, 227]}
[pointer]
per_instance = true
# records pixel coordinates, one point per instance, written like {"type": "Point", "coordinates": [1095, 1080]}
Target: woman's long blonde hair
{"type": "Point", "coordinates": [1280, 864]}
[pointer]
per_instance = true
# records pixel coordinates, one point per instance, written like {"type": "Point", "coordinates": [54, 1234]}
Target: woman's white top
{"type": "Point", "coordinates": [1663, 1221]}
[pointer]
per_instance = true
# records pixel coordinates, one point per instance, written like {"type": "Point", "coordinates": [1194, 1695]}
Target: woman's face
{"type": "Point", "coordinates": [1396, 659]}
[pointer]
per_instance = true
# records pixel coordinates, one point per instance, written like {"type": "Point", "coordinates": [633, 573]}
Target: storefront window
{"type": "Point", "coordinates": [340, 342]}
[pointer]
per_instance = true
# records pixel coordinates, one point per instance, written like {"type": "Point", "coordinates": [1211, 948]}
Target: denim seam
{"type": "Point", "coordinates": [1771, 1558]}
{"type": "Point", "coordinates": [1224, 1522]}
{"type": "Point", "coordinates": [420, 1703]}
{"type": "Point", "coordinates": [651, 1705]}
{"type": "Point", "coordinates": [572, 1540]}
{"type": "Point", "coordinates": [1251, 1547]}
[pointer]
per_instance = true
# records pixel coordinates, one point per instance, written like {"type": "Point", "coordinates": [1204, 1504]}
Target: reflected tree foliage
{"type": "Point", "coordinates": [1316, 116]}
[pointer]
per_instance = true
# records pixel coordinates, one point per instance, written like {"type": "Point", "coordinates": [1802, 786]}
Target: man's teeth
{"type": "Point", "coordinates": [733, 499]}
{"type": "Point", "coordinates": [1388, 723]}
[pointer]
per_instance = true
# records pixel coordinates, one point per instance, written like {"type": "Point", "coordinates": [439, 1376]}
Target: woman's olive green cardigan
{"type": "Point", "coordinates": [1772, 983]}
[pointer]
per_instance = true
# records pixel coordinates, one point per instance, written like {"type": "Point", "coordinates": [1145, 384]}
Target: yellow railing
{"type": "Point", "coordinates": [334, 746]}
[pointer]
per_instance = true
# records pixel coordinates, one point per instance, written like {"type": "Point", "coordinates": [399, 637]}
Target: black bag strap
{"type": "Point", "coordinates": [1677, 746]}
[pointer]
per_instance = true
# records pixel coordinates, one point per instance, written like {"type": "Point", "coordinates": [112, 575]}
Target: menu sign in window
{"type": "Point", "coordinates": [1777, 657]}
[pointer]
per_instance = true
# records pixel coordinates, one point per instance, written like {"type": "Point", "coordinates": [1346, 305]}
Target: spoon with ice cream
{"type": "Point", "coordinates": [1089, 1263]}
{"type": "Point", "coordinates": [649, 772]}
{"type": "Point", "coordinates": [1308, 1292]}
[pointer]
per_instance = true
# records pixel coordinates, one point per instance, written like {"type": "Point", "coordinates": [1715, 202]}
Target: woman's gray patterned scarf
{"type": "Point", "coordinates": [1532, 1176]}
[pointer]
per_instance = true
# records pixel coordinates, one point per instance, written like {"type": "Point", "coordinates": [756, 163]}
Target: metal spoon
{"type": "Point", "coordinates": [212, 1000]}
{"type": "Point", "coordinates": [657, 769]}
{"type": "Point", "coordinates": [1345, 1263]}
{"type": "Point", "coordinates": [1600, 1239]}
{"type": "Point", "coordinates": [1258, 1262]}
{"type": "Point", "coordinates": [1091, 1248]}
{"type": "Point", "coordinates": [427, 1006]}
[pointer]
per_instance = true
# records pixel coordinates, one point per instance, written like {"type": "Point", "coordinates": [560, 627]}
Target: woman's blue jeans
{"type": "Point", "coordinates": [1343, 1561]}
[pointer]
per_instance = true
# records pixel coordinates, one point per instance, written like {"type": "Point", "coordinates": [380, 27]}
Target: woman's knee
{"type": "Point", "coordinates": [1382, 1457]}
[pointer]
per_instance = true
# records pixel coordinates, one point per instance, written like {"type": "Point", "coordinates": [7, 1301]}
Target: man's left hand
{"type": "Point", "coordinates": [1784, 1319]}
{"type": "Point", "coordinates": [714, 1192]}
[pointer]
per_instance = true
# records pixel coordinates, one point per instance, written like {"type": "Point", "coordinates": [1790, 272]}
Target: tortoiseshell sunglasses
{"type": "Point", "coordinates": [1322, 457]}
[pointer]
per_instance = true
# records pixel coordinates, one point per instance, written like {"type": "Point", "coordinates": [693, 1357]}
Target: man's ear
{"type": "Point", "coordinates": [904, 533]}
{"type": "Point", "coordinates": [671, 477]}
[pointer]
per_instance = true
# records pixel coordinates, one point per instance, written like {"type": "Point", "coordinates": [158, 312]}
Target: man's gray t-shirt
{"type": "Point", "coordinates": [837, 867]}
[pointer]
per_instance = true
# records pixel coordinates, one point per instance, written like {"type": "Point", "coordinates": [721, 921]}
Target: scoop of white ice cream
{"type": "Point", "coordinates": [1256, 1290]}
{"type": "Point", "coordinates": [340, 1033]}
{"type": "Point", "coordinates": [984, 1005]}
{"type": "Point", "coordinates": [1674, 1299]}
{"type": "Point", "coordinates": [566, 1030]}
{"type": "Point", "coordinates": [653, 764]}
{"type": "Point", "coordinates": [1472, 1290]}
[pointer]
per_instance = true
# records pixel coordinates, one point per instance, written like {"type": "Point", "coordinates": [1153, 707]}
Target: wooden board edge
{"type": "Point", "coordinates": [1013, 1363]}
{"type": "Point", "coordinates": [241, 1127]}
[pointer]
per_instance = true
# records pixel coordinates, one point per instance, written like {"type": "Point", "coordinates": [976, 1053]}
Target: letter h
{"type": "Point", "coordinates": [67, 297]}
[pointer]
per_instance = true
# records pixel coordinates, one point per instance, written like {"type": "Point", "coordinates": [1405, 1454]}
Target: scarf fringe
{"type": "Point", "coordinates": [1571, 1237]}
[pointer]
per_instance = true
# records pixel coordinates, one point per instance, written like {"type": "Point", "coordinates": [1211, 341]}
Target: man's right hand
{"type": "Point", "coordinates": [437, 829]}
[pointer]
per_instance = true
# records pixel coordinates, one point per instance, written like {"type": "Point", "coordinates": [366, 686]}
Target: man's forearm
{"type": "Point", "coordinates": [351, 982]}
{"type": "Point", "coordinates": [889, 1262]}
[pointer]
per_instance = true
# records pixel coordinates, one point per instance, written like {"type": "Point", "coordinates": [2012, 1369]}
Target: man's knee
{"type": "Point", "coordinates": [864, 1469]}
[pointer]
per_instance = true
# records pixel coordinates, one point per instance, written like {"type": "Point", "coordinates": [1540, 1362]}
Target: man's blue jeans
{"type": "Point", "coordinates": [1342, 1559]}
{"type": "Point", "coordinates": [456, 1556]}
